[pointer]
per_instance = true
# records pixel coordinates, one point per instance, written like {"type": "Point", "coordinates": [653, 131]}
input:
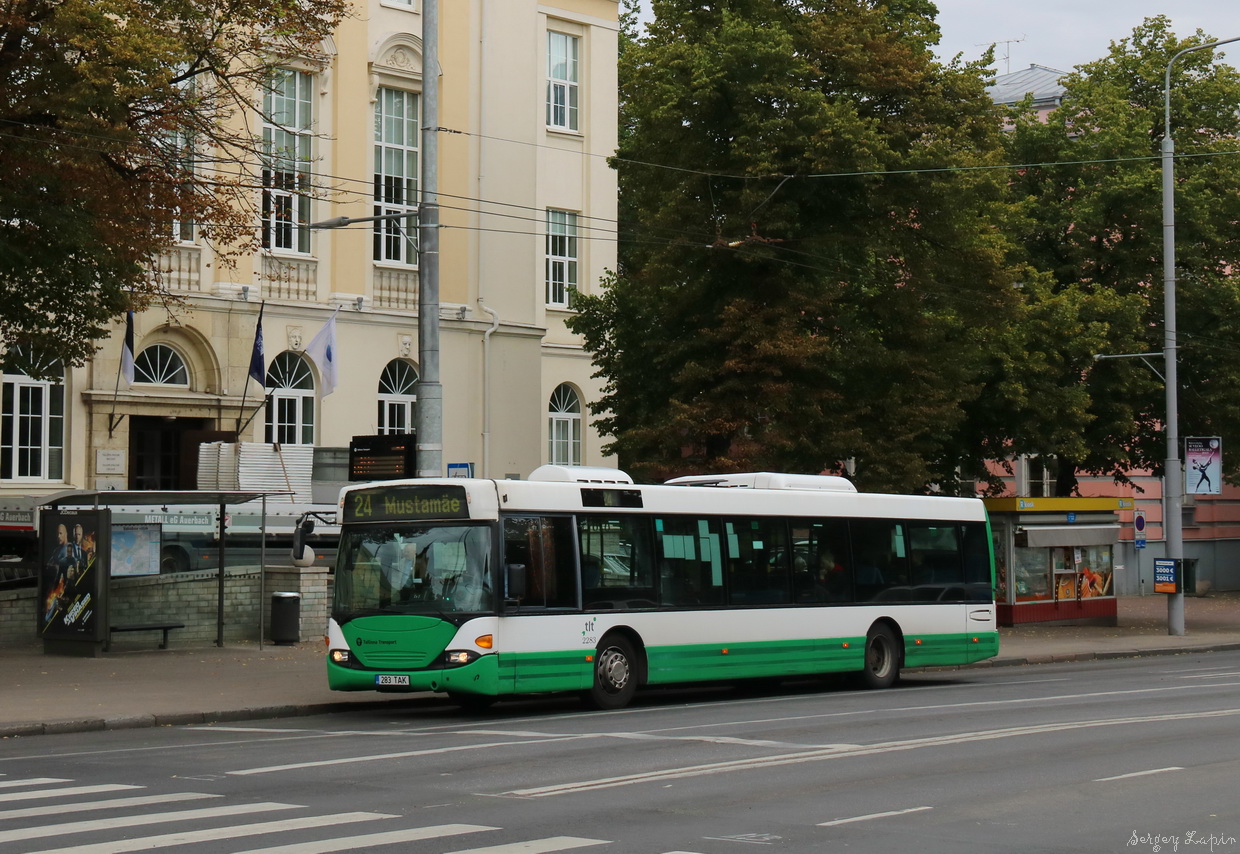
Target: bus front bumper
{"type": "Point", "coordinates": [478, 677]}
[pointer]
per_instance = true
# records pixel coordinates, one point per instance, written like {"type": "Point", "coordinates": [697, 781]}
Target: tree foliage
{"type": "Point", "coordinates": [104, 106]}
{"type": "Point", "coordinates": [1092, 222]}
{"type": "Point", "coordinates": [801, 282]}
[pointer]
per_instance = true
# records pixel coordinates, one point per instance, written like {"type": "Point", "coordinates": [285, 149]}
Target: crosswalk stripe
{"type": "Point", "coordinates": [69, 791]}
{"type": "Point", "coordinates": [138, 820]}
{"type": "Point", "coordinates": [33, 781]}
{"type": "Point", "coordinates": [537, 846]}
{"type": "Point", "coordinates": [189, 837]}
{"type": "Point", "coordinates": [112, 803]}
{"type": "Point", "coordinates": [391, 837]}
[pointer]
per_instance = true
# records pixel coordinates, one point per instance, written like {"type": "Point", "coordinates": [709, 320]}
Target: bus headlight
{"type": "Point", "coordinates": [340, 656]}
{"type": "Point", "coordinates": [458, 657]}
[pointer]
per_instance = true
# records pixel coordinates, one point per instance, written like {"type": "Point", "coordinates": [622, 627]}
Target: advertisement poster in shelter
{"type": "Point", "coordinates": [73, 550]}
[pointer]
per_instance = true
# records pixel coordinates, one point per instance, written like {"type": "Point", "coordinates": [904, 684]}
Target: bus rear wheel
{"type": "Point", "coordinates": [615, 674]}
{"type": "Point", "coordinates": [882, 658]}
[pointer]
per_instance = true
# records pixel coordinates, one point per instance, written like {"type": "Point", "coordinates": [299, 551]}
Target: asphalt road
{"type": "Point", "coordinates": [1135, 755]}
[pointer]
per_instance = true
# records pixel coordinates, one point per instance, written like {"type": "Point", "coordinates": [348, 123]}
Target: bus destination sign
{"type": "Point", "coordinates": [405, 502]}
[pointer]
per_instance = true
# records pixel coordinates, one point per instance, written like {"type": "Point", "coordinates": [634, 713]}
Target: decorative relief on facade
{"type": "Point", "coordinates": [294, 337]}
{"type": "Point", "coordinates": [406, 346]}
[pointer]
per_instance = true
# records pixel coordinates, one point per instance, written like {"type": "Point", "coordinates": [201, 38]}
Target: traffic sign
{"type": "Point", "coordinates": [1138, 527]}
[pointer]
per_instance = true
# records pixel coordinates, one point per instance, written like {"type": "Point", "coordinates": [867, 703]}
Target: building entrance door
{"type": "Point", "coordinates": [164, 450]}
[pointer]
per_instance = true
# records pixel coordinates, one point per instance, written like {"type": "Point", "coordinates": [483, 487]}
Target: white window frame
{"type": "Point", "coordinates": [564, 427]}
{"type": "Point", "coordinates": [563, 259]}
{"type": "Point", "coordinates": [397, 153]}
{"type": "Point", "coordinates": [563, 81]}
{"type": "Point", "coordinates": [160, 364]}
{"type": "Point", "coordinates": [290, 403]}
{"type": "Point", "coordinates": [287, 144]}
{"type": "Point", "coordinates": [398, 399]}
{"type": "Point", "coordinates": [32, 428]}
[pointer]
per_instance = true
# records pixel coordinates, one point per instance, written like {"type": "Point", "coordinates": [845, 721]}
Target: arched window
{"type": "Point", "coordinates": [32, 418]}
{"type": "Point", "coordinates": [162, 365]}
{"type": "Point", "coordinates": [398, 399]}
{"type": "Point", "coordinates": [564, 427]}
{"type": "Point", "coordinates": [290, 408]}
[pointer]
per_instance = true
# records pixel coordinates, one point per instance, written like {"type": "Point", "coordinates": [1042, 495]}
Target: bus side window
{"type": "Point", "coordinates": [544, 545]}
{"type": "Point", "coordinates": [759, 566]}
{"type": "Point", "coordinates": [690, 561]}
{"type": "Point", "coordinates": [879, 559]}
{"type": "Point", "coordinates": [977, 575]}
{"type": "Point", "coordinates": [617, 571]}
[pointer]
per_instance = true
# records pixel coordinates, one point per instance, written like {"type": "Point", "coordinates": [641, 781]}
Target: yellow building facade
{"type": "Point", "coordinates": [527, 118]}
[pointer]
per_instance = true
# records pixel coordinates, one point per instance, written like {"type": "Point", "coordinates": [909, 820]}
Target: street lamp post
{"type": "Point", "coordinates": [1173, 480]}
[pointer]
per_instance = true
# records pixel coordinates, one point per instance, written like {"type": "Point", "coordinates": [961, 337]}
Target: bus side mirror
{"type": "Point", "coordinates": [514, 581]}
{"type": "Point", "coordinates": [302, 554]}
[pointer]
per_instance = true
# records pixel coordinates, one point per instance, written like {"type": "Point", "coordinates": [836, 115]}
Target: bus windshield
{"type": "Point", "coordinates": [413, 568]}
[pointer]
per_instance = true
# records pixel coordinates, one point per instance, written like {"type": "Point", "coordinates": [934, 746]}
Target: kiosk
{"type": "Point", "coordinates": [1054, 559]}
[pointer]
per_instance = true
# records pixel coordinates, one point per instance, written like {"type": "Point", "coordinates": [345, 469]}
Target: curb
{"type": "Point", "coordinates": [63, 727]}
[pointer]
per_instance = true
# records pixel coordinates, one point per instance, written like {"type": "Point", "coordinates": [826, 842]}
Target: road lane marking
{"type": "Point", "coordinates": [536, 846]}
{"type": "Point", "coordinates": [871, 750]}
{"type": "Point", "coordinates": [113, 803]}
{"type": "Point", "coordinates": [391, 837]}
{"type": "Point", "coordinates": [31, 781]}
{"type": "Point", "coordinates": [1138, 774]}
{"type": "Point", "coordinates": [872, 816]}
{"type": "Point", "coordinates": [1230, 674]}
{"type": "Point", "coordinates": [263, 729]}
{"type": "Point", "coordinates": [723, 739]}
{"type": "Point", "coordinates": [379, 757]}
{"type": "Point", "coordinates": [189, 837]}
{"type": "Point", "coordinates": [138, 820]}
{"type": "Point", "coordinates": [66, 792]}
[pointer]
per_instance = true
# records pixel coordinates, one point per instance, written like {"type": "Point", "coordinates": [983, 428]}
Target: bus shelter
{"type": "Point", "coordinates": [79, 552]}
{"type": "Point", "coordinates": [1055, 559]}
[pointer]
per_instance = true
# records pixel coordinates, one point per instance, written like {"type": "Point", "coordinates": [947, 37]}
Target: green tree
{"type": "Point", "coordinates": [1092, 222]}
{"type": "Point", "coordinates": [801, 283]}
{"type": "Point", "coordinates": [118, 117]}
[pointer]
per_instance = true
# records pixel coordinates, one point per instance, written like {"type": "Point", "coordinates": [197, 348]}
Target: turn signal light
{"type": "Point", "coordinates": [485, 641]}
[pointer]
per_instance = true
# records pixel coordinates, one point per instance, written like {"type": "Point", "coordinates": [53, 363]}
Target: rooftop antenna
{"type": "Point", "coordinates": [1007, 50]}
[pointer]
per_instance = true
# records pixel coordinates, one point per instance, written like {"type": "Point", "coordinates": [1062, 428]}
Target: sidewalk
{"type": "Point", "coordinates": [138, 686]}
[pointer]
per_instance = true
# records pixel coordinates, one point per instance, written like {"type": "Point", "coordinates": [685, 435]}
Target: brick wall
{"type": "Point", "coordinates": [191, 598]}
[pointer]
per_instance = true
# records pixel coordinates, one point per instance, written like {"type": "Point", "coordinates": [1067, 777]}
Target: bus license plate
{"type": "Point", "coordinates": [391, 679]}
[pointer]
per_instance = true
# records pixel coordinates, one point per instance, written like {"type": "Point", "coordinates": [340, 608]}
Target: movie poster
{"type": "Point", "coordinates": [73, 549]}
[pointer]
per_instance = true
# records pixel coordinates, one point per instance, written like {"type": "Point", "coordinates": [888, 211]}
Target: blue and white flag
{"type": "Point", "coordinates": [258, 368]}
{"type": "Point", "coordinates": [323, 350]}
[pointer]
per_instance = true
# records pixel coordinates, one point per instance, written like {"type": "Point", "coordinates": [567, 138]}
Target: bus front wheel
{"type": "Point", "coordinates": [882, 658]}
{"type": "Point", "coordinates": [615, 674]}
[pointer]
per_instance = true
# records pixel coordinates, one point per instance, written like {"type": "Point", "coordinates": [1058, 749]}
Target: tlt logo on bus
{"type": "Point", "coordinates": [587, 636]}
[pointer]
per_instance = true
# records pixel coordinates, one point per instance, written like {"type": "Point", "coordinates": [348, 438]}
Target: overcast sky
{"type": "Point", "coordinates": [1065, 33]}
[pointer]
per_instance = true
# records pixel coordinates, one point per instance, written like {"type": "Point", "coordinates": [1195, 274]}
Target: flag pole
{"type": "Point", "coordinates": [257, 370]}
{"type": "Point", "coordinates": [125, 367]}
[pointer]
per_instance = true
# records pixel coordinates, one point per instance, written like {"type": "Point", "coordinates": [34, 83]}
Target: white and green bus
{"type": "Point", "coordinates": [580, 580]}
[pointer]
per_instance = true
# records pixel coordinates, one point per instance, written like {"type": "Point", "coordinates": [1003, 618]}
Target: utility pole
{"type": "Point", "coordinates": [430, 392]}
{"type": "Point", "coordinates": [1173, 477]}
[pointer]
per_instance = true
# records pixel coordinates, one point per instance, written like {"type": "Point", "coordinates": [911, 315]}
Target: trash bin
{"type": "Point", "coordinates": [285, 617]}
